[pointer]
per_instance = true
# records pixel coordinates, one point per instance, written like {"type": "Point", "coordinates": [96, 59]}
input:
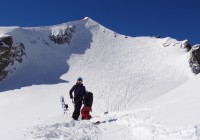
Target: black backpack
{"type": "Point", "coordinates": [89, 99]}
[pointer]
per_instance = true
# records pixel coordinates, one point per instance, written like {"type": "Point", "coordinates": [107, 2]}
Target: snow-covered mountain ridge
{"type": "Point", "coordinates": [127, 75]}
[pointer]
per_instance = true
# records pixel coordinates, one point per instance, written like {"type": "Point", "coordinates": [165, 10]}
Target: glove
{"type": "Point", "coordinates": [71, 97]}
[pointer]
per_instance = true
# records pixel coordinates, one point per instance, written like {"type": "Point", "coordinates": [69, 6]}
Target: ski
{"type": "Point", "coordinates": [104, 121]}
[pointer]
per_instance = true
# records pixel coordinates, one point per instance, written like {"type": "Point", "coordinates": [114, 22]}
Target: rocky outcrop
{"type": "Point", "coordinates": [186, 45]}
{"type": "Point", "coordinates": [6, 40]}
{"type": "Point", "coordinates": [194, 60]}
{"type": "Point", "coordinates": [65, 37]}
{"type": "Point", "coordinates": [9, 54]}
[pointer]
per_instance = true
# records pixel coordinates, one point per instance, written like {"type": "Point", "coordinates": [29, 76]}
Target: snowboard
{"type": "Point", "coordinates": [64, 106]}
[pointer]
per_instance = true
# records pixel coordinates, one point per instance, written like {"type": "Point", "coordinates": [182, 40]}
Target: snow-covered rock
{"type": "Point", "coordinates": [9, 54]}
{"type": "Point", "coordinates": [194, 59]}
{"type": "Point", "coordinates": [64, 37]}
{"type": "Point", "coordinates": [6, 40]}
{"type": "Point", "coordinates": [186, 44]}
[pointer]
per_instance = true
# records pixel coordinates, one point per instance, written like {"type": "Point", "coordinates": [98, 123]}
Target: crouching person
{"type": "Point", "coordinates": [85, 111]}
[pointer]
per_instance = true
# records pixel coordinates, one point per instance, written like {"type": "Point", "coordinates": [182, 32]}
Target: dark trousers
{"type": "Point", "coordinates": [77, 108]}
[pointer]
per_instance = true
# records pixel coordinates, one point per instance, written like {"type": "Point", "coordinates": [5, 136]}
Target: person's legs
{"type": "Point", "coordinates": [77, 107]}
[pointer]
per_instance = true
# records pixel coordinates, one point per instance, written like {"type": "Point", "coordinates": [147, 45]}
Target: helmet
{"type": "Point", "coordinates": [79, 79]}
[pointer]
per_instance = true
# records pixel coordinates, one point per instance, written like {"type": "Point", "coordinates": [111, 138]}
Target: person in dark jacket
{"type": "Point", "coordinates": [79, 95]}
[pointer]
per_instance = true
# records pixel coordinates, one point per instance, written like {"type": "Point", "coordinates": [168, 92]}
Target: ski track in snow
{"type": "Point", "coordinates": [128, 71]}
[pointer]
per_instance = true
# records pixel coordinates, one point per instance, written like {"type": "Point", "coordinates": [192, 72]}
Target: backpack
{"type": "Point", "coordinates": [89, 99]}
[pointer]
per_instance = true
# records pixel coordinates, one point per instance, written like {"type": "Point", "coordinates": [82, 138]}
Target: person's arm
{"type": "Point", "coordinates": [84, 94]}
{"type": "Point", "coordinates": [71, 91]}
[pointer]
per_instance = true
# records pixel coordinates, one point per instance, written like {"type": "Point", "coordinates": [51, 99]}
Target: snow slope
{"type": "Point", "coordinates": [136, 79]}
{"type": "Point", "coordinates": [180, 105]}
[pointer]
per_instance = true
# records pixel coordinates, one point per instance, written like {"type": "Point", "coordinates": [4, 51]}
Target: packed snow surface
{"type": "Point", "coordinates": [144, 83]}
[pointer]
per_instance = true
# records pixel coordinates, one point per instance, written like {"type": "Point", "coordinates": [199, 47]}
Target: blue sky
{"type": "Point", "coordinates": [179, 19]}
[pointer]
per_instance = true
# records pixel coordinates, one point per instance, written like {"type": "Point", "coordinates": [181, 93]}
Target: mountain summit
{"type": "Point", "coordinates": [123, 66]}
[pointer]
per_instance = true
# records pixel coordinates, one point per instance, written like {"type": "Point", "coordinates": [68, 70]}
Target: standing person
{"type": "Point", "coordinates": [79, 94]}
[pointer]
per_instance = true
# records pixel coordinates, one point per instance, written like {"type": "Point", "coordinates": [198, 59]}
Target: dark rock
{"type": "Point", "coordinates": [45, 42]}
{"type": "Point", "coordinates": [18, 53]}
{"type": "Point", "coordinates": [8, 55]}
{"type": "Point", "coordinates": [4, 54]}
{"type": "Point", "coordinates": [115, 34]}
{"type": "Point", "coordinates": [33, 41]}
{"type": "Point", "coordinates": [194, 60]}
{"type": "Point", "coordinates": [65, 37]}
{"type": "Point", "coordinates": [7, 40]}
{"type": "Point", "coordinates": [187, 45]}
{"type": "Point", "coordinates": [155, 36]}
